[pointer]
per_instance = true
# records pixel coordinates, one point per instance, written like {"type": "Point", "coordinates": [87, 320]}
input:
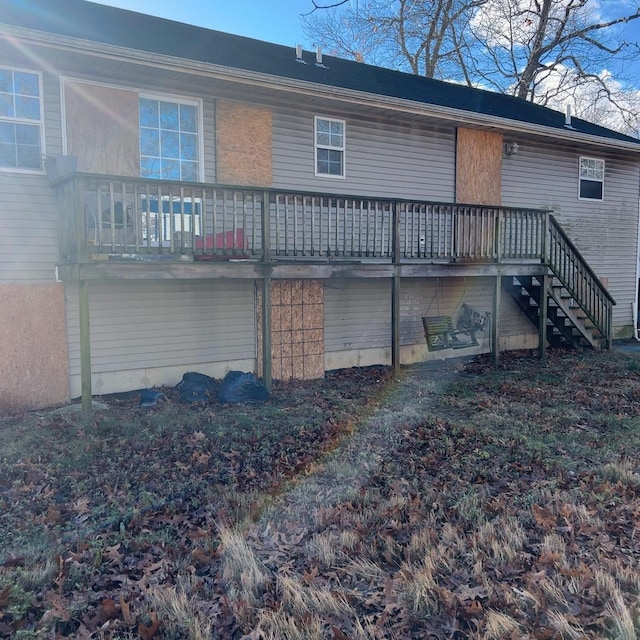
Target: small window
{"type": "Point", "coordinates": [329, 147]}
{"type": "Point", "coordinates": [169, 140]}
{"type": "Point", "coordinates": [591, 179]}
{"type": "Point", "coordinates": [20, 120]}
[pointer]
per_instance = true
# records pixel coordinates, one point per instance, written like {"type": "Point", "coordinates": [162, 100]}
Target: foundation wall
{"type": "Point", "coordinates": [33, 347]}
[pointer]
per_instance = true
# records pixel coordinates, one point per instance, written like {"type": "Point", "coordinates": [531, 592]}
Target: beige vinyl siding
{"type": "Point", "coordinates": [28, 214]}
{"type": "Point", "coordinates": [382, 160]}
{"type": "Point", "coordinates": [357, 314]}
{"type": "Point", "coordinates": [605, 232]}
{"type": "Point", "coordinates": [137, 325]}
{"type": "Point", "coordinates": [28, 236]}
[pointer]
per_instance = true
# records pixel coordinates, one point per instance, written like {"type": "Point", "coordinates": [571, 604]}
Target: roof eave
{"type": "Point", "coordinates": [244, 76]}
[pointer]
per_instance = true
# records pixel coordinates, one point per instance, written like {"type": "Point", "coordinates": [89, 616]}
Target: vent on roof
{"type": "Point", "coordinates": [319, 58]}
{"type": "Point", "coordinates": [299, 54]}
{"type": "Point", "coordinates": [567, 118]}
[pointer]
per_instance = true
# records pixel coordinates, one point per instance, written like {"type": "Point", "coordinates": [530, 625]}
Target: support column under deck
{"type": "Point", "coordinates": [495, 324]}
{"type": "Point", "coordinates": [85, 346]}
{"type": "Point", "coordinates": [395, 325]}
{"type": "Point", "coordinates": [266, 333]}
{"type": "Point", "coordinates": [542, 318]}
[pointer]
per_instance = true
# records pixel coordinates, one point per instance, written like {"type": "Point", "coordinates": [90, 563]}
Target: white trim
{"type": "Point", "coordinates": [317, 146]}
{"type": "Point", "coordinates": [39, 123]}
{"type": "Point", "coordinates": [580, 178]}
{"type": "Point", "coordinates": [177, 99]}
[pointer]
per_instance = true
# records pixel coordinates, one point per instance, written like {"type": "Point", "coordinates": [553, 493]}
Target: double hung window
{"type": "Point", "coordinates": [20, 120]}
{"type": "Point", "coordinates": [169, 140]}
{"type": "Point", "coordinates": [330, 147]}
{"type": "Point", "coordinates": [591, 179]}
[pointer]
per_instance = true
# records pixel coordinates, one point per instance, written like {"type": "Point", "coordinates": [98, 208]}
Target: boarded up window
{"type": "Point", "coordinates": [478, 182]}
{"type": "Point", "coordinates": [478, 167]}
{"type": "Point", "coordinates": [243, 144]}
{"type": "Point", "coordinates": [102, 128]}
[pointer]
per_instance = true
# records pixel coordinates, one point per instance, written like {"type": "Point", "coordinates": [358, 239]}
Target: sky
{"type": "Point", "coordinates": [275, 21]}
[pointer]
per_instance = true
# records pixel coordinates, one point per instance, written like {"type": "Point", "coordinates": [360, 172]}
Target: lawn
{"type": "Point", "coordinates": [464, 500]}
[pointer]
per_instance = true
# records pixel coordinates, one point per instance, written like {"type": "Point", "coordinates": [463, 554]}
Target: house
{"type": "Point", "coordinates": [211, 202]}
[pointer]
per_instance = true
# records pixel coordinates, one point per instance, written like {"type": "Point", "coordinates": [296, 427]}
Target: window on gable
{"type": "Point", "coordinates": [330, 139]}
{"type": "Point", "coordinates": [591, 179]}
{"type": "Point", "coordinates": [20, 120]}
{"type": "Point", "coordinates": [169, 140]}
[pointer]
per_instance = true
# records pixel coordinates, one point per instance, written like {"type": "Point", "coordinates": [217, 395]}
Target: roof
{"type": "Point", "coordinates": [123, 28]}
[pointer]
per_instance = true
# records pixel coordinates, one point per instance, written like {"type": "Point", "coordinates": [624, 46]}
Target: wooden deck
{"type": "Point", "coordinates": [173, 229]}
{"type": "Point", "coordinates": [112, 227]}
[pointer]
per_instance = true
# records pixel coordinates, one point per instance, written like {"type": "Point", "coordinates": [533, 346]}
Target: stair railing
{"type": "Point", "coordinates": [577, 277]}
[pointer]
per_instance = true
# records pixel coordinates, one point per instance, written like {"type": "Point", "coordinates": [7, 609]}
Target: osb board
{"type": "Point", "coordinates": [297, 329]}
{"type": "Point", "coordinates": [102, 128]}
{"type": "Point", "coordinates": [33, 347]}
{"type": "Point", "coordinates": [243, 144]}
{"type": "Point", "coordinates": [478, 167]}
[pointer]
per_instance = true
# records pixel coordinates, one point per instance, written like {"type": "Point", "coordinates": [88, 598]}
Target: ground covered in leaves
{"type": "Point", "coordinates": [465, 500]}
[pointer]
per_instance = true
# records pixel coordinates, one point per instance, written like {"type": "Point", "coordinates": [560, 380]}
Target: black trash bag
{"type": "Point", "coordinates": [150, 398]}
{"type": "Point", "coordinates": [242, 387]}
{"type": "Point", "coordinates": [195, 387]}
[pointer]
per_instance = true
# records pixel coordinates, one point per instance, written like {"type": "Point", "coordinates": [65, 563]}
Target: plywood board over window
{"type": "Point", "coordinates": [33, 347]}
{"type": "Point", "coordinates": [478, 167]}
{"type": "Point", "coordinates": [478, 182]}
{"type": "Point", "coordinates": [102, 128]}
{"type": "Point", "coordinates": [243, 144]}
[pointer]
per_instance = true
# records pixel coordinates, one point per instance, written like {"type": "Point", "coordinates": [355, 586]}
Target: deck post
{"type": "Point", "coordinates": [395, 325]}
{"type": "Point", "coordinates": [85, 347]}
{"type": "Point", "coordinates": [267, 371]}
{"type": "Point", "coordinates": [395, 292]}
{"type": "Point", "coordinates": [542, 318]}
{"type": "Point", "coordinates": [495, 325]}
{"type": "Point", "coordinates": [266, 332]}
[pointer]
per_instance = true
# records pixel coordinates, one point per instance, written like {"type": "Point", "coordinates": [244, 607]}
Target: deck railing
{"type": "Point", "coordinates": [577, 277]}
{"type": "Point", "coordinates": [106, 216]}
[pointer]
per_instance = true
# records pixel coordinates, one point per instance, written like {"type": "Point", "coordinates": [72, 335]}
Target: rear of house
{"type": "Point", "coordinates": [212, 203]}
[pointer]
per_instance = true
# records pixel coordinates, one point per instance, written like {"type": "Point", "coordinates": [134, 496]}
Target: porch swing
{"type": "Point", "coordinates": [441, 333]}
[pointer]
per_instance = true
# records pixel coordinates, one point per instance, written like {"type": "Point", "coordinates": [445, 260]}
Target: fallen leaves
{"type": "Point", "coordinates": [420, 542]}
{"type": "Point", "coordinates": [146, 632]}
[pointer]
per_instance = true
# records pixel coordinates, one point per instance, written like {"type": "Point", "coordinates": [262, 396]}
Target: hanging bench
{"type": "Point", "coordinates": [440, 334]}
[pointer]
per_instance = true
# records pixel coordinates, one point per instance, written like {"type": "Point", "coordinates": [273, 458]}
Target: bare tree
{"type": "Point", "coordinates": [546, 51]}
{"type": "Point", "coordinates": [416, 36]}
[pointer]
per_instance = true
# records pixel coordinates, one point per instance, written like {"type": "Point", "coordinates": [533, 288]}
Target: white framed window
{"type": "Point", "coordinates": [330, 147]}
{"type": "Point", "coordinates": [591, 179]}
{"type": "Point", "coordinates": [169, 139]}
{"type": "Point", "coordinates": [20, 120]}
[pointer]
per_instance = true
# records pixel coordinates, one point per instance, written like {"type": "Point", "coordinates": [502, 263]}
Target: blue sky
{"type": "Point", "coordinates": [275, 21]}
{"type": "Point", "coordinates": [271, 20]}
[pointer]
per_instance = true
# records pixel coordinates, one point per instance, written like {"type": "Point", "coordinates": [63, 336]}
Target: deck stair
{"type": "Point", "coordinates": [567, 324]}
{"type": "Point", "coordinates": [578, 307]}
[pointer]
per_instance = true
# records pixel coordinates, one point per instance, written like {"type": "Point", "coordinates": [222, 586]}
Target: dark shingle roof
{"type": "Point", "coordinates": [120, 27]}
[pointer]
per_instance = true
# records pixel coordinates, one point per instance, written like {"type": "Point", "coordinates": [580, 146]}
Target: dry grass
{"type": "Point", "coordinates": [476, 502]}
